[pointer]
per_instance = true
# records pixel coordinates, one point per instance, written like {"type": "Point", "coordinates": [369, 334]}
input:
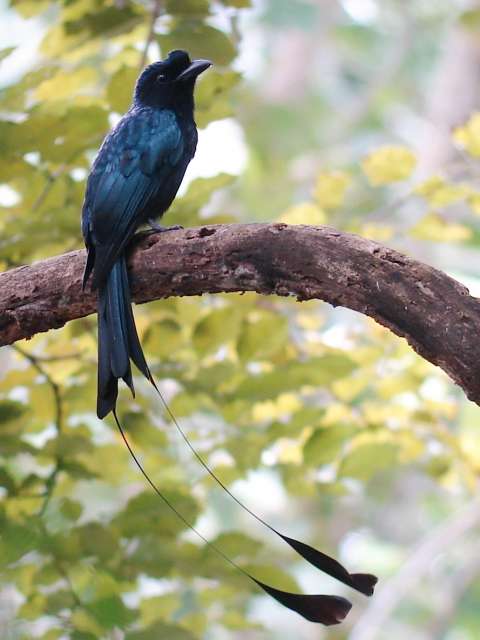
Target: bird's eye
{"type": "Point", "coordinates": [161, 77]}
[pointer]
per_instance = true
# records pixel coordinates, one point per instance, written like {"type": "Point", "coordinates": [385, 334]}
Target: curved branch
{"type": "Point", "coordinates": [433, 312]}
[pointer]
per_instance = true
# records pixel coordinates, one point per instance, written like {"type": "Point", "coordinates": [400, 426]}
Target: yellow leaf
{"type": "Point", "coordinates": [434, 228]}
{"type": "Point", "coordinates": [429, 187]}
{"type": "Point", "coordinates": [310, 321]}
{"type": "Point", "coordinates": [446, 408]}
{"type": "Point", "coordinates": [83, 621]}
{"type": "Point", "coordinates": [330, 189]}
{"type": "Point", "coordinates": [412, 447]}
{"type": "Point", "coordinates": [289, 451]}
{"type": "Point", "coordinates": [470, 446]}
{"type": "Point", "coordinates": [439, 193]}
{"type": "Point", "coordinates": [57, 42]}
{"type": "Point", "coordinates": [63, 85]}
{"type": "Point", "coordinates": [474, 202]}
{"type": "Point", "coordinates": [389, 164]}
{"type": "Point", "coordinates": [348, 388]}
{"type": "Point", "coordinates": [391, 386]}
{"type": "Point", "coordinates": [284, 405]}
{"type": "Point", "coordinates": [377, 232]}
{"type": "Point", "coordinates": [337, 412]}
{"type": "Point", "coordinates": [264, 411]}
{"type": "Point", "coordinates": [304, 213]}
{"type": "Point", "coordinates": [381, 413]}
{"type": "Point", "coordinates": [468, 136]}
{"type": "Point", "coordinates": [288, 403]}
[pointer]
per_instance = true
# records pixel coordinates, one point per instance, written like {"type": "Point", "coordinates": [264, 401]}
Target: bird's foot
{"type": "Point", "coordinates": [159, 229]}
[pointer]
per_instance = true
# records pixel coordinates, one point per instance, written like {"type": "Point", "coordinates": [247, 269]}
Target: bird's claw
{"type": "Point", "coordinates": [159, 229]}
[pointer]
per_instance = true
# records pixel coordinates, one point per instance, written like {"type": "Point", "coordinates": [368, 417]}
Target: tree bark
{"type": "Point", "coordinates": [433, 312]}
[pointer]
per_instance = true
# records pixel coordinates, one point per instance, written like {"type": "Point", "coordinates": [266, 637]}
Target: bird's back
{"type": "Point", "coordinates": [134, 177]}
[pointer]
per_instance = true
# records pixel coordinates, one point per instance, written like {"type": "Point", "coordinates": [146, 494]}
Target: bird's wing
{"type": "Point", "coordinates": [129, 171]}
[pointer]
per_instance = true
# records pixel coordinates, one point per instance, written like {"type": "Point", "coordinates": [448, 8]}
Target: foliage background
{"type": "Point", "coordinates": [355, 113]}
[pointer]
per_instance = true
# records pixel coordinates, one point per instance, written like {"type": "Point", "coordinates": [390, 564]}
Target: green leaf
{"type": "Point", "coordinates": [305, 417]}
{"type": "Point", "coordinates": [235, 545]}
{"type": "Point", "coordinates": [12, 445]}
{"type": "Point", "coordinates": [247, 450]}
{"type": "Point", "coordinates": [272, 576]}
{"type": "Point", "coordinates": [212, 379]}
{"type": "Point", "coordinates": [235, 620]}
{"type": "Point", "coordinates": [4, 53]}
{"type": "Point", "coordinates": [438, 465]}
{"type": "Point", "coordinates": [33, 608]}
{"type": "Point", "coordinates": [120, 89]}
{"type": "Point", "coordinates": [186, 210]}
{"type": "Point", "coordinates": [71, 509]}
{"type": "Point", "coordinates": [106, 20]}
{"type": "Point", "coordinates": [189, 8]}
{"type": "Point", "coordinates": [263, 337]}
{"type": "Point", "coordinates": [470, 19]}
{"type": "Point", "coordinates": [68, 445]}
{"type": "Point", "coordinates": [6, 481]}
{"type": "Point", "coordinates": [13, 98]}
{"type": "Point", "coordinates": [97, 540]}
{"type": "Point", "coordinates": [216, 329]}
{"type": "Point", "coordinates": [160, 630]}
{"type": "Point", "coordinates": [213, 96]}
{"type": "Point", "coordinates": [201, 190]}
{"type": "Point", "coordinates": [17, 540]}
{"type": "Point", "coordinates": [239, 4]}
{"type": "Point", "coordinates": [59, 601]}
{"type": "Point", "coordinates": [314, 372]}
{"type": "Point", "coordinates": [11, 410]}
{"type": "Point", "coordinates": [30, 8]}
{"type": "Point", "coordinates": [163, 338]}
{"type": "Point", "coordinates": [147, 514]}
{"type": "Point", "coordinates": [158, 607]}
{"type": "Point", "coordinates": [184, 404]}
{"type": "Point", "coordinates": [365, 460]}
{"type": "Point", "coordinates": [326, 443]}
{"type": "Point", "coordinates": [140, 428]}
{"type": "Point", "coordinates": [54, 634]}
{"type": "Point", "coordinates": [77, 470]}
{"type": "Point", "coordinates": [200, 40]}
{"type": "Point", "coordinates": [111, 612]}
{"type": "Point", "coordinates": [85, 625]}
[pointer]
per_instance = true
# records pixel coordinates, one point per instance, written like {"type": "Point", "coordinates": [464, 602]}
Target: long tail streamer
{"type": "Point", "coordinates": [363, 582]}
{"type": "Point", "coordinates": [118, 343]}
{"type": "Point", "coordinates": [324, 609]}
{"type": "Point", "coordinates": [327, 610]}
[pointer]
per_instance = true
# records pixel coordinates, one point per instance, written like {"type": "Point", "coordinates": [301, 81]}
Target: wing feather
{"type": "Point", "coordinates": [132, 165]}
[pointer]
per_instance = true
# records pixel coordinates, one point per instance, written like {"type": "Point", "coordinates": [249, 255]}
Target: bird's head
{"type": "Point", "coordinates": [169, 82]}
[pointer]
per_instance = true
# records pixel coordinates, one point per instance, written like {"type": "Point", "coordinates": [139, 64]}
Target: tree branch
{"type": "Point", "coordinates": [447, 535]}
{"type": "Point", "coordinates": [433, 312]}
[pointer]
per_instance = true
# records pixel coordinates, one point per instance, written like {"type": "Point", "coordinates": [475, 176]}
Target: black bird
{"type": "Point", "coordinates": [134, 180]}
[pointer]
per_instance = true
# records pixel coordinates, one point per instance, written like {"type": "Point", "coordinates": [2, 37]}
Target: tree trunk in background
{"type": "Point", "coordinates": [453, 95]}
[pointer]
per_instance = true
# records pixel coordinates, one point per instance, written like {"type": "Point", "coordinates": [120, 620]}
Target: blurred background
{"type": "Point", "coordinates": [358, 114]}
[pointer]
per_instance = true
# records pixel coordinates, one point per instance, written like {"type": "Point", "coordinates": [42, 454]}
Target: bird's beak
{"type": "Point", "coordinates": [195, 69]}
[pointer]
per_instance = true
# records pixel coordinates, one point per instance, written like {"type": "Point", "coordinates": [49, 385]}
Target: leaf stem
{"type": "Point", "coordinates": [156, 10]}
{"type": "Point", "coordinates": [51, 479]}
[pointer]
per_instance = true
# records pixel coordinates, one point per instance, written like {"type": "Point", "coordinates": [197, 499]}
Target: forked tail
{"type": "Point", "coordinates": [118, 341]}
